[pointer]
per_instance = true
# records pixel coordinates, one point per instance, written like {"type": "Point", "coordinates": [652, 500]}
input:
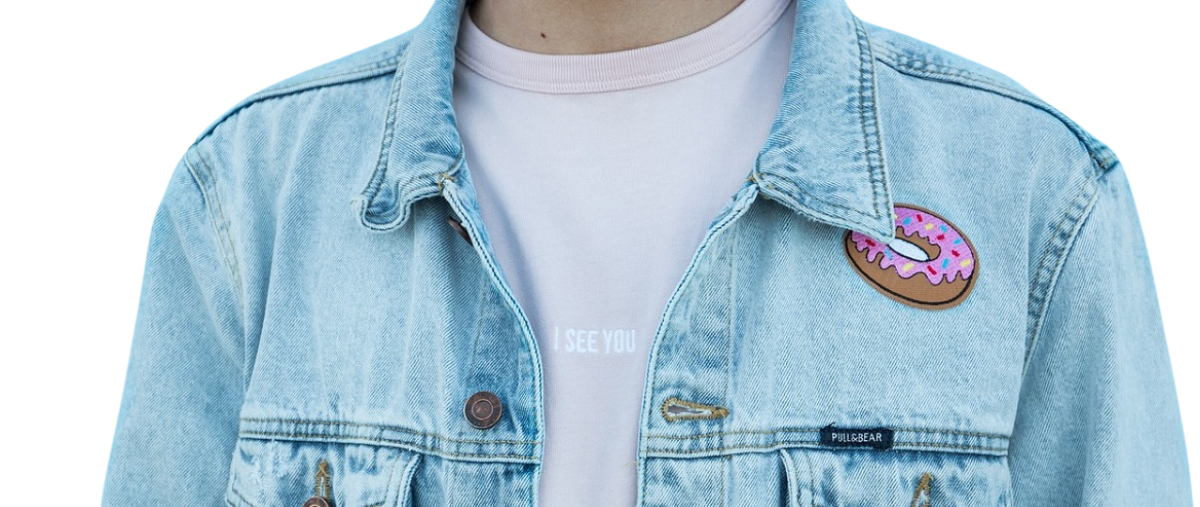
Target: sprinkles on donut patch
{"type": "Point", "coordinates": [931, 264]}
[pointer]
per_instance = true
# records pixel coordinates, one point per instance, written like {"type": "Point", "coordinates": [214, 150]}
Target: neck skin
{"type": "Point", "coordinates": [593, 26]}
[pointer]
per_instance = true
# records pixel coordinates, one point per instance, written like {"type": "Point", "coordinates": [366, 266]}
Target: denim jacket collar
{"type": "Point", "coordinates": [823, 157]}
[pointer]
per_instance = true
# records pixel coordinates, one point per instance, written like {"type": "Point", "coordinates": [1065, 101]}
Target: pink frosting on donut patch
{"type": "Point", "coordinates": [955, 259]}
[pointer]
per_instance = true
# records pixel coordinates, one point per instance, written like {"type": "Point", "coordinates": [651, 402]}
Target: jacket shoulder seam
{"type": "Point", "coordinates": [377, 68]}
{"type": "Point", "coordinates": [1054, 258]}
{"type": "Point", "coordinates": [1102, 157]}
{"type": "Point", "coordinates": [202, 175]}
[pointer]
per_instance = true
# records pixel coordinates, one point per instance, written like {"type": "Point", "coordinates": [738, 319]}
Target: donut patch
{"type": "Point", "coordinates": [931, 264]}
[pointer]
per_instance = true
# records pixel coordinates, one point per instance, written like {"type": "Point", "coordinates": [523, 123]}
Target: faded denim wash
{"type": "Point", "coordinates": [306, 302]}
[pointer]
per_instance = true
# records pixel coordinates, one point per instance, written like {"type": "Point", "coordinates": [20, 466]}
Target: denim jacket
{"type": "Point", "coordinates": [931, 290]}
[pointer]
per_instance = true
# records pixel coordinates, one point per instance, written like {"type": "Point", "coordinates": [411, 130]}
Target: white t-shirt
{"type": "Point", "coordinates": [597, 177]}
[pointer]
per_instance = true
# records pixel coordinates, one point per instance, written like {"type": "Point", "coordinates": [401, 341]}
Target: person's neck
{"type": "Point", "coordinates": [593, 26]}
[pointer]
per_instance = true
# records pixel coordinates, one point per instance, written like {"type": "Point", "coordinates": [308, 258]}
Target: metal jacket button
{"type": "Point", "coordinates": [454, 224]}
{"type": "Point", "coordinates": [316, 501]}
{"type": "Point", "coordinates": [483, 410]}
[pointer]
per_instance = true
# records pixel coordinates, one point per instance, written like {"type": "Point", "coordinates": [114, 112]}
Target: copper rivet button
{"type": "Point", "coordinates": [454, 224]}
{"type": "Point", "coordinates": [483, 410]}
{"type": "Point", "coordinates": [316, 501]}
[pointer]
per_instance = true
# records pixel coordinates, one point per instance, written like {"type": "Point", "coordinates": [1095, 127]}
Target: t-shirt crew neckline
{"type": "Point", "coordinates": [617, 70]}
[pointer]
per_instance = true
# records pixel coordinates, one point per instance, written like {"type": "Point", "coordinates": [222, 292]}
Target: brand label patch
{"type": "Point", "coordinates": [878, 438]}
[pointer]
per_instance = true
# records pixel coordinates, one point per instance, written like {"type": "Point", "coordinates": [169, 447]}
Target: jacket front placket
{"type": "Point", "coordinates": [687, 390]}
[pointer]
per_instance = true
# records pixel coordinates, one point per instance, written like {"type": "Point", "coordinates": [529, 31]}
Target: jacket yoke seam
{"type": "Point", "coordinates": [1101, 156]}
{"type": "Point", "coordinates": [362, 72]}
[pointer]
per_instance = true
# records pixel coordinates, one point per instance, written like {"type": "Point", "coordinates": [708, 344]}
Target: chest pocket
{"type": "Point", "coordinates": [271, 473]}
{"type": "Point", "coordinates": [894, 478]}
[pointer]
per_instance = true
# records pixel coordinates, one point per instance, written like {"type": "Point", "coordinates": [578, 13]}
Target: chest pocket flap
{"type": "Point", "coordinates": [268, 473]}
{"type": "Point", "coordinates": [853, 477]}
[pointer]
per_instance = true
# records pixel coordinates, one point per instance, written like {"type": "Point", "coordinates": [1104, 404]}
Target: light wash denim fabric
{"type": "Point", "coordinates": [305, 301]}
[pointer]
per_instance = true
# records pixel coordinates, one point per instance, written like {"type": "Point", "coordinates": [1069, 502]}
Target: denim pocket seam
{"type": "Point", "coordinates": [400, 482]}
{"type": "Point", "coordinates": [790, 463]}
{"type": "Point", "coordinates": [399, 429]}
{"type": "Point", "coordinates": [240, 497]}
{"type": "Point", "coordinates": [789, 472]}
{"type": "Point", "coordinates": [392, 442]}
{"type": "Point", "coordinates": [817, 430]}
{"type": "Point", "coordinates": [907, 446]}
{"type": "Point", "coordinates": [749, 440]}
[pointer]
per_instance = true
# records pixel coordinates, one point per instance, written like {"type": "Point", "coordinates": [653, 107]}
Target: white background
{"type": "Point", "coordinates": [99, 100]}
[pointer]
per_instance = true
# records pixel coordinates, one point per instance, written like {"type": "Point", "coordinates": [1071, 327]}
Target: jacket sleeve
{"type": "Point", "coordinates": [183, 389]}
{"type": "Point", "coordinates": [1098, 422]}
